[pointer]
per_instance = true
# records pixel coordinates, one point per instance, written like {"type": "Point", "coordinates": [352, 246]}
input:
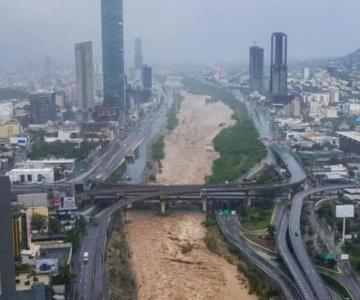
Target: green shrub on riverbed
{"type": "Point", "coordinates": [239, 146]}
{"type": "Point", "coordinates": [157, 149]}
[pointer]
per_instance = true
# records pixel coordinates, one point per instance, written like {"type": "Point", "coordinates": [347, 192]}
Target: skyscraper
{"type": "Point", "coordinates": [39, 108]}
{"type": "Point", "coordinates": [139, 60]}
{"type": "Point", "coordinates": [113, 53]}
{"type": "Point", "coordinates": [7, 258]}
{"type": "Point", "coordinates": [49, 68]}
{"type": "Point", "coordinates": [256, 68]}
{"type": "Point", "coordinates": [84, 75]}
{"type": "Point", "coordinates": [147, 77]}
{"type": "Point", "coordinates": [278, 69]}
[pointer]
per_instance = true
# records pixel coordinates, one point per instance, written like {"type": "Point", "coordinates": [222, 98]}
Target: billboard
{"type": "Point", "coordinates": [50, 265]}
{"type": "Point", "coordinates": [69, 203]}
{"type": "Point", "coordinates": [345, 211]}
{"type": "Point", "coordinates": [56, 201]}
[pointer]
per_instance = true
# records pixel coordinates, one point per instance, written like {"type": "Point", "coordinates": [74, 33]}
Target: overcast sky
{"type": "Point", "coordinates": [180, 30]}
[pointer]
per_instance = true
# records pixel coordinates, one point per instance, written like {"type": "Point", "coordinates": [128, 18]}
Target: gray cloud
{"type": "Point", "coordinates": [174, 30]}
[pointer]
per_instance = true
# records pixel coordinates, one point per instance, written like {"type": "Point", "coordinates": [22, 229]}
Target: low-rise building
{"type": "Point", "coordinates": [332, 173]}
{"type": "Point", "coordinates": [349, 141]}
{"type": "Point", "coordinates": [96, 131]}
{"type": "Point", "coordinates": [19, 140]}
{"type": "Point", "coordinates": [31, 176]}
{"type": "Point", "coordinates": [63, 136]}
{"type": "Point", "coordinates": [6, 111]}
{"type": "Point", "coordinates": [10, 129]}
{"type": "Point", "coordinates": [67, 165]}
{"type": "Point", "coordinates": [33, 200]}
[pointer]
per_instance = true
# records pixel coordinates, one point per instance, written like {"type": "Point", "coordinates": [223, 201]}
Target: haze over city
{"type": "Point", "coordinates": [179, 150]}
{"type": "Point", "coordinates": [180, 31]}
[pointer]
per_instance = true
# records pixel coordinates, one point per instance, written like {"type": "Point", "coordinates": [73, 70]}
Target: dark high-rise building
{"type": "Point", "coordinates": [7, 257]}
{"type": "Point", "coordinates": [52, 106]}
{"type": "Point", "coordinates": [42, 108]}
{"type": "Point", "coordinates": [7, 254]}
{"type": "Point", "coordinates": [147, 77]}
{"type": "Point", "coordinates": [113, 53]}
{"type": "Point", "coordinates": [139, 60]}
{"type": "Point", "coordinates": [256, 68]}
{"type": "Point", "coordinates": [278, 69]}
{"type": "Point", "coordinates": [84, 75]}
{"type": "Point", "coordinates": [39, 108]}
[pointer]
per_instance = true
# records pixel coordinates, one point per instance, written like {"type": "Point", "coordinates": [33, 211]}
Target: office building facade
{"type": "Point", "coordinates": [139, 60]}
{"type": "Point", "coordinates": [39, 108]}
{"type": "Point", "coordinates": [84, 75]}
{"type": "Point", "coordinates": [147, 77]}
{"type": "Point", "coordinates": [256, 68]}
{"type": "Point", "coordinates": [7, 258]}
{"type": "Point", "coordinates": [113, 54]}
{"type": "Point", "coordinates": [42, 108]}
{"type": "Point", "coordinates": [49, 68]}
{"type": "Point", "coordinates": [278, 69]}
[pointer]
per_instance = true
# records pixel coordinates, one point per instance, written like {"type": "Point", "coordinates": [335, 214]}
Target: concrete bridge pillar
{"type": "Point", "coordinates": [204, 201]}
{"type": "Point", "coordinates": [163, 207]}
{"type": "Point", "coordinates": [204, 204]}
{"type": "Point", "coordinates": [250, 196]}
{"type": "Point", "coordinates": [249, 201]}
{"type": "Point", "coordinates": [163, 200]}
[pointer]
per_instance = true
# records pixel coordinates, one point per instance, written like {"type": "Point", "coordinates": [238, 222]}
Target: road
{"type": "Point", "coordinates": [142, 135]}
{"type": "Point", "coordinates": [347, 276]}
{"type": "Point", "coordinates": [298, 244]}
{"type": "Point", "coordinates": [290, 262]}
{"type": "Point", "coordinates": [91, 280]}
{"type": "Point", "coordinates": [229, 226]}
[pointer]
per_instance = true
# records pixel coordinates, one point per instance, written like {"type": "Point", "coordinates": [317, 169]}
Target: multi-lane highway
{"type": "Point", "coordinates": [346, 276]}
{"type": "Point", "coordinates": [318, 286]}
{"type": "Point", "coordinates": [290, 262]}
{"type": "Point", "coordinates": [91, 280]}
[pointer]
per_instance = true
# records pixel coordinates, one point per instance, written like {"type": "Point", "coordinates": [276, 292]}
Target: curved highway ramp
{"type": "Point", "coordinates": [229, 226]}
{"type": "Point", "coordinates": [319, 287]}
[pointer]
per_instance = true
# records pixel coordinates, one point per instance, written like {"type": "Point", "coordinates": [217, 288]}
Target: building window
{"type": "Point", "coordinates": [40, 178]}
{"type": "Point", "coordinates": [22, 178]}
{"type": "Point", "coordinates": [29, 178]}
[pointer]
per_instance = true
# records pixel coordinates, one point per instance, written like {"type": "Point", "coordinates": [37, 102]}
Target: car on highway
{"type": "Point", "coordinates": [86, 257]}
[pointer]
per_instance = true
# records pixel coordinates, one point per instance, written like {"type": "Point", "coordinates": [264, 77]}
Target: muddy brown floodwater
{"type": "Point", "coordinates": [189, 150]}
{"type": "Point", "coordinates": [169, 256]}
{"type": "Point", "coordinates": [172, 262]}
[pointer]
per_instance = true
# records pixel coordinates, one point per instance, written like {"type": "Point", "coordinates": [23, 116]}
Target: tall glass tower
{"type": "Point", "coordinates": [84, 75]}
{"type": "Point", "coordinates": [256, 68]}
{"type": "Point", "coordinates": [113, 53]}
{"type": "Point", "coordinates": [278, 71]}
{"type": "Point", "coordinates": [139, 61]}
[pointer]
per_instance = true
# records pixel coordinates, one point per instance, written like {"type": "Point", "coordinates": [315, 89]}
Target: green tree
{"type": "Point", "coordinates": [66, 275]}
{"type": "Point", "coordinates": [38, 222]}
{"type": "Point", "coordinates": [271, 230]}
{"type": "Point", "coordinates": [73, 237]}
{"type": "Point", "coordinates": [55, 225]}
{"type": "Point", "coordinates": [81, 225]}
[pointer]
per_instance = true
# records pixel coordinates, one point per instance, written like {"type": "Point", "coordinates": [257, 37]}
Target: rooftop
{"type": "Point", "coordinates": [354, 135]}
{"type": "Point", "coordinates": [25, 170]}
{"type": "Point", "coordinates": [22, 278]}
{"type": "Point", "coordinates": [53, 161]}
